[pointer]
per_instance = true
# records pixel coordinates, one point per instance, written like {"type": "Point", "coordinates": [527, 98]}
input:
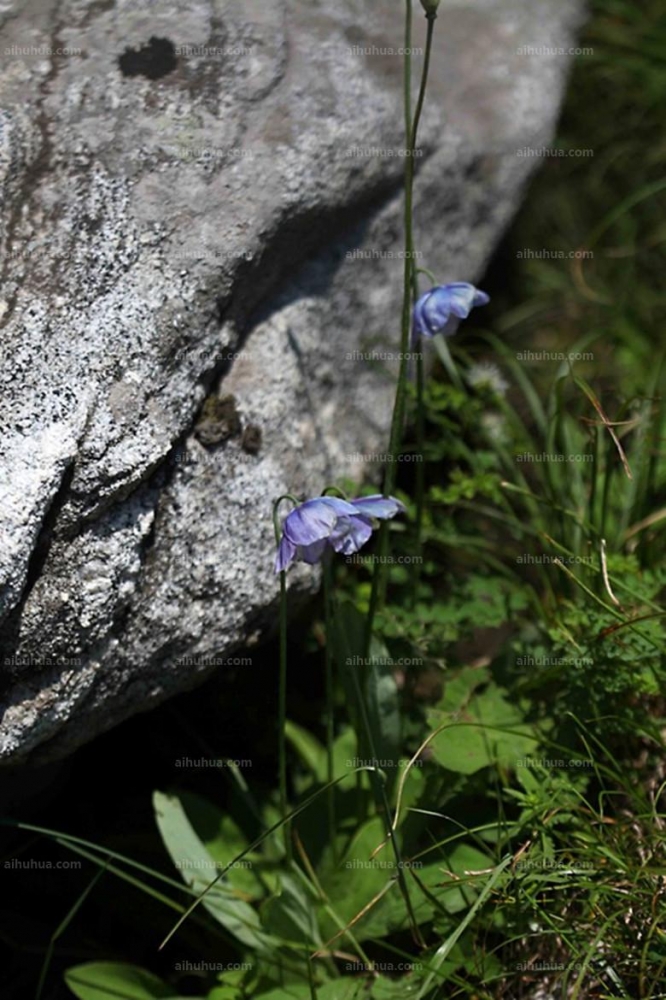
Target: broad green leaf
{"type": "Point", "coordinates": [225, 993]}
{"type": "Point", "coordinates": [309, 749]}
{"type": "Point", "coordinates": [345, 754]}
{"type": "Point", "coordinates": [291, 913]}
{"type": "Point", "coordinates": [224, 841]}
{"type": "Point", "coordinates": [198, 869]}
{"type": "Point", "coordinates": [395, 989]}
{"type": "Point", "coordinates": [460, 687]}
{"type": "Point", "coordinates": [347, 988]}
{"type": "Point", "coordinates": [361, 877]}
{"type": "Point", "coordinates": [353, 882]}
{"type": "Point", "coordinates": [116, 981]}
{"type": "Point", "coordinates": [446, 882]}
{"type": "Point", "coordinates": [488, 730]}
{"type": "Point", "coordinates": [287, 992]}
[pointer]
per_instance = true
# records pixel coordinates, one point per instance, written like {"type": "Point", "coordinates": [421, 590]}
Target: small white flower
{"type": "Point", "coordinates": [495, 427]}
{"type": "Point", "coordinates": [486, 375]}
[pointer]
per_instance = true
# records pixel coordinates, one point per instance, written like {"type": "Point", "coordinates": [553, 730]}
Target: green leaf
{"type": "Point", "coordinates": [489, 730]}
{"type": "Point", "coordinates": [291, 914]}
{"type": "Point", "coordinates": [394, 989]}
{"type": "Point", "coordinates": [198, 869]}
{"type": "Point", "coordinates": [309, 749]}
{"type": "Point", "coordinates": [355, 881]}
{"type": "Point", "coordinates": [225, 992]}
{"type": "Point", "coordinates": [287, 992]}
{"type": "Point", "coordinates": [224, 841]}
{"type": "Point", "coordinates": [343, 989]}
{"type": "Point", "coordinates": [116, 981]}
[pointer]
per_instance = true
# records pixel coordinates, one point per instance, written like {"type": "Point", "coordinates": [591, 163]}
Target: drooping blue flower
{"type": "Point", "coordinates": [344, 525]}
{"type": "Point", "coordinates": [437, 310]}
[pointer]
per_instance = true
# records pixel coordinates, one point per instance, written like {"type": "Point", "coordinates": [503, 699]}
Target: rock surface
{"type": "Point", "coordinates": [204, 197]}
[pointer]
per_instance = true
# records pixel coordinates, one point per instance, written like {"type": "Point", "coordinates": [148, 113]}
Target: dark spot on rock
{"type": "Point", "coordinates": [153, 60]}
{"type": "Point", "coordinates": [90, 225]}
{"type": "Point", "coordinates": [218, 420]}
{"type": "Point", "coordinates": [251, 440]}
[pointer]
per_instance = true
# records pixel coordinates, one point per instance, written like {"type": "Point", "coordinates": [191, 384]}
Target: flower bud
{"type": "Point", "coordinates": [430, 6]}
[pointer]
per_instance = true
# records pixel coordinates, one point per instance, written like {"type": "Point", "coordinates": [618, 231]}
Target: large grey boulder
{"type": "Point", "coordinates": [184, 185]}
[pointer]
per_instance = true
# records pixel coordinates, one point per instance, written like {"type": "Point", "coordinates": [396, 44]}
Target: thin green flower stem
{"type": "Point", "coordinates": [330, 701]}
{"type": "Point", "coordinates": [427, 272]}
{"type": "Point", "coordinates": [407, 76]}
{"type": "Point", "coordinates": [282, 714]}
{"type": "Point", "coordinates": [420, 408]}
{"type": "Point", "coordinates": [282, 683]}
{"type": "Point", "coordinates": [399, 409]}
{"type": "Point", "coordinates": [420, 475]}
{"type": "Point", "coordinates": [378, 593]}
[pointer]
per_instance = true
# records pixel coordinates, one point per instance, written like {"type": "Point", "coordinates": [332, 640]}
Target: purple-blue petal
{"type": "Point", "coordinates": [378, 506]}
{"type": "Point", "coordinates": [434, 311]}
{"type": "Point", "coordinates": [315, 519]}
{"type": "Point", "coordinates": [312, 553]}
{"type": "Point", "coordinates": [350, 534]}
{"type": "Point", "coordinates": [437, 310]}
{"type": "Point", "coordinates": [285, 555]}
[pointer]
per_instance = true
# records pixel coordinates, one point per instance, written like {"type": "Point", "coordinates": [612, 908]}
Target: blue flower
{"type": "Point", "coordinates": [345, 525]}
{"type": "Point", "coordinates": [437, 310]}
